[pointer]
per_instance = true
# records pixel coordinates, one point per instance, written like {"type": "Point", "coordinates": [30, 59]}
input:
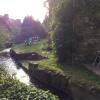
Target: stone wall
{"type": "Point", "coordinates": [60, 82]}
{"type": "Point", "coordinates": [53, 80]}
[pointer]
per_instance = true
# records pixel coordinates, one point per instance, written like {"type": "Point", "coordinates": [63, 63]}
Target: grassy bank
{"type": "Point", "coordinates": [12, 89]}
{"type": "Point", "coordinates": [78, 74]}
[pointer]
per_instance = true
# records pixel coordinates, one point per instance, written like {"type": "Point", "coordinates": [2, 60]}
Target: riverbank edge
{"type": "Point", "coordinates": [62, 82]}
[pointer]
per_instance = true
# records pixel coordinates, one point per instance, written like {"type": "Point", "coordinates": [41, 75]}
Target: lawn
{"type": "Point", "coordinates": [78, 74]}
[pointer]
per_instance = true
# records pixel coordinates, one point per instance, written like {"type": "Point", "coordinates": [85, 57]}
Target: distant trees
{"type": "Point", "coordinates": [4, 31]}
{"type": "Point", "coordinates": [74, 25]}
{"type": "Point", "coordinates": [12, 30]}
{"type": "Point", "coordinates": [32, 28]}
{"type": "Point", "coordinates": [15, 28]}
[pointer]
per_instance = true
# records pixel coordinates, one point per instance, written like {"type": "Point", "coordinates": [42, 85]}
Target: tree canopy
{"type": "Point", "coordinates": [75, 28]}
{"type": "Point", "coordinates": [19, 31]}
{"type": "Point", "coordinates": [30, 28]}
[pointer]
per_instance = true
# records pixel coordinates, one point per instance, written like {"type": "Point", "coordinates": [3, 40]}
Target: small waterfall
{"type": "Point", "coordinates": [9, 65]}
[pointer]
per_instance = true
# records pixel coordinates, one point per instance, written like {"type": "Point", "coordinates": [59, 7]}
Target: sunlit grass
{"type": "Point", "coordinates": [36, 47]}
{"type": "Point", "coordinates": [77, 73]}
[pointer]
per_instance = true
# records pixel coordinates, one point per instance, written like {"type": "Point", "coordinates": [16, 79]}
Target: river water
{"type": "Point", "coordinates": [10, 66]}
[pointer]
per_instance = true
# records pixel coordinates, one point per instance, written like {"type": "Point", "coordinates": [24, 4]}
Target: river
{"type": "Point", "coordinates": [10, 66]}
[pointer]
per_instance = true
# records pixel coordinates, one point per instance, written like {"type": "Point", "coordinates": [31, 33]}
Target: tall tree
{"type": "Point", "coordinates": [5, 32]}
{"type": "Point", "coordinates": [75, 28]}
{"type": "Point", "coordinates": [31, 28]}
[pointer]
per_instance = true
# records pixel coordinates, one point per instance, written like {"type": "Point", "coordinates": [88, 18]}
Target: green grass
{"type": "Point", "coordinates": [33, 48]}
{"type": "Point", "coordinates": [78, 74]}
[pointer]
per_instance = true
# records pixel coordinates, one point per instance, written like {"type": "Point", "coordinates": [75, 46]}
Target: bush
{"type": "Point", "coordinates": [11, 89]}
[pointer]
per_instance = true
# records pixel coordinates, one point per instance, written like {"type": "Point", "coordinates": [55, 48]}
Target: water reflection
{"type": "Point", "coordinates": [10, 66]}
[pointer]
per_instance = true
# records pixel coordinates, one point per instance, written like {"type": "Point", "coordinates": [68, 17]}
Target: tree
{"type": "Point", "coordinates": [4, 31]}
{"type": "Point", "coordinates": [15, 27]}
{"type": "Point", "coordinates": [31, 28]}
{"type": "Point", "coordinates": [60, 25]}
{"type": "Point", "coordinates": [75, 28]}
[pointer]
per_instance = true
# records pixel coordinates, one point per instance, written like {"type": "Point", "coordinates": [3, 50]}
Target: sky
{"type": "Point", "coordinates": [18, 9]}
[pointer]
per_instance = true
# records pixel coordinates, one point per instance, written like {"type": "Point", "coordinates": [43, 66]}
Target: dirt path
{"type": "Point", "coordinates": [94, 69]}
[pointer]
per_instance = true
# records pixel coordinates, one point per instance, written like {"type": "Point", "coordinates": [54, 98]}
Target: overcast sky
{"type": "Point", "coordinates": [18, 9]}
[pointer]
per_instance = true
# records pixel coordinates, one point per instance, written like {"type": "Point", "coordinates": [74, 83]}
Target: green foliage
{"type": "Point", "coordinates": [32, 28]}
{"type": "Point", "coordinates": [12, 89]}
{"type": "Point", "coordinates": [61, 25]}
{"type": "Point", "coordinates": [74, 24]}
{"type": "Point", "coordinates": [4, 36]}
